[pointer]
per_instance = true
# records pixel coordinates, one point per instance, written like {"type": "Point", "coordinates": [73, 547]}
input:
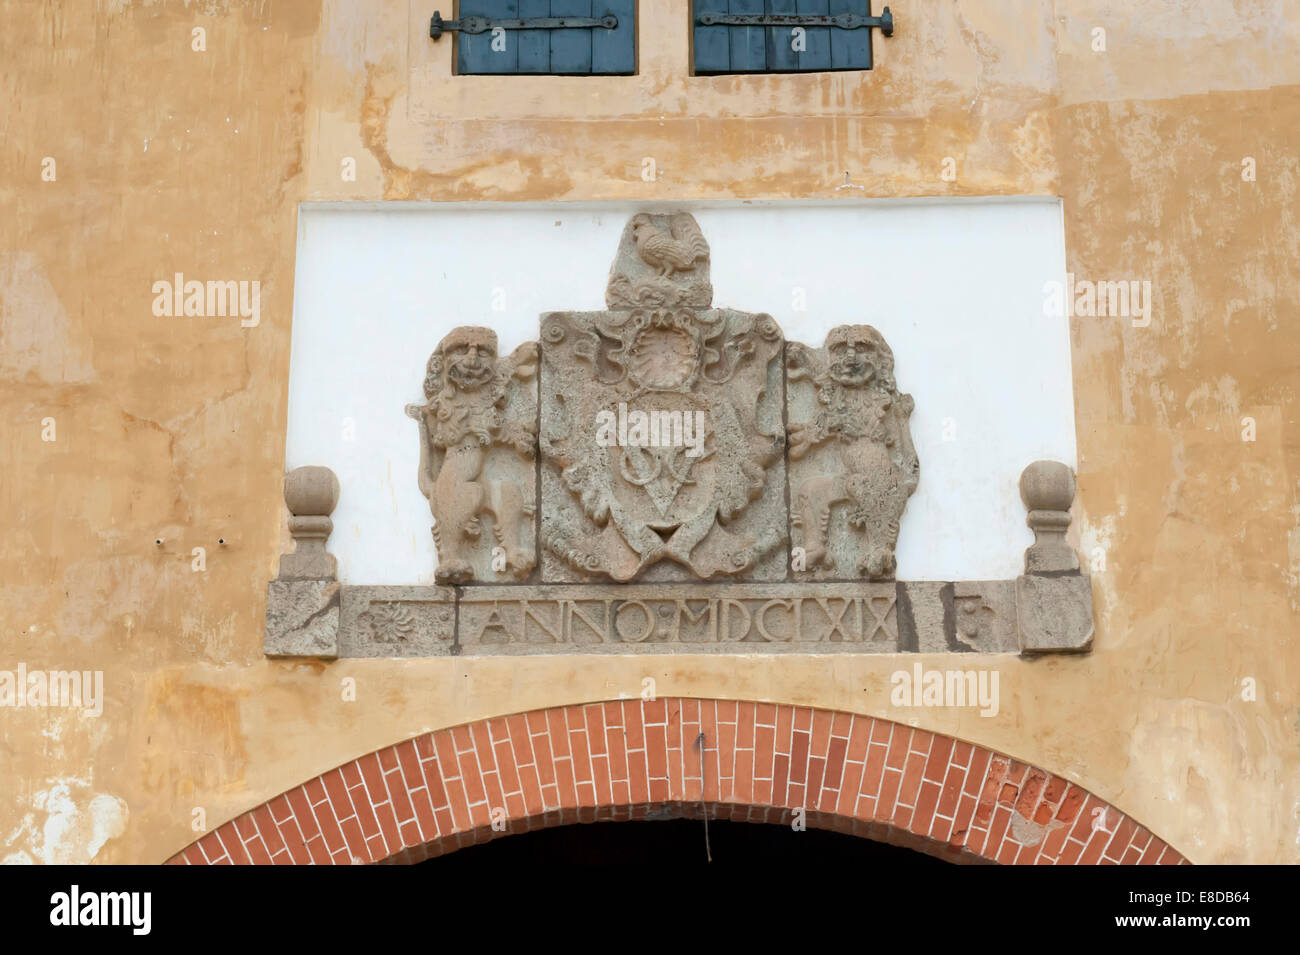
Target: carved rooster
{"type": "Point", "coordinates": [675, 251]}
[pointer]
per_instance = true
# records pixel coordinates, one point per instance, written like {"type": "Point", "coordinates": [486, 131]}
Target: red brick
{"type": "Point", "coordinates": [873, 770]}
{"type": "Point", "coordinates": [899, 745]}
{"type": "Point", "coordinates": [633, 725]}
{"type": "Point", "coordinates": [745, 726]}
{"type": "Point", "coordinates": [432, 771]}
{"type": "Point", "coordinates": [764, 751]}
{"type": "Point", "coordinates": [1030, 793]}
{"type": "Point", "coordinates": [314, 791]}
{"type": "Point", "coordinates": [850, 788]}
{"type": "Point", "coordinates": [595, 723]}
{"type": "Point", "coordinates": [821, 732]}
{"type": "Point", "coordinates": [859, 739]}
{"type": "Point", "coordinates": [961, 753]}
{"type": "Point", "coordinates": [980, 766]}
{"type": "Point", "coordinates": [726, 755]}
{"type": "Point", "coordinates": [834, 763]}
{"type": "Point", "coordinates": [557, 731]}
{"type": "Point", "coordinates": [545, 761]}
{"type": "Point", "coordinates": [636, 775]}
{"type": "Point", "coordinates": [888, 794]}
{"type": "Point", "coordinates": [744, 779]}
{"type": "Point", "coordinates": [1152, 852]}
{"type": "Point", "coordinates": [926, 801]}
{"type": "Point", "coordinates": [912, 772]}
{"type": "Point", "coordinates": [1074, 798]}
{"type": "Point", "coordinates": [950, 794]}
{"type": "Point", "coordinates": [388, 758]}
{"type": "Point", "coordinates": [520, 741]}
{"type": "Point", "coordinates": [302, 812]}
{"type": "Point", "coordinates": [816, 776]}
{"type": "Point", "coordinates": [234, 846]}
{"type": "Point", "coordinates": [936, 767]}
{"type": "Point", "coordinates": [781, 780]}
{"type": "Point", "coordinates": [799, 757]}
{"type": "Point", "coordinates": [403, 811]}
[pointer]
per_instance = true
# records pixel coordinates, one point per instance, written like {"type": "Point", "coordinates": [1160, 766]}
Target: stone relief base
{"type": "Point", "coordinates": [1030, 614]}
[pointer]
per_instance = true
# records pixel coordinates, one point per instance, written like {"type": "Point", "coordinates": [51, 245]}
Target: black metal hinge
{"type": "Point", "coordinates": [438, 26]}
{"type": "Point", "coordinates": [844, 21]}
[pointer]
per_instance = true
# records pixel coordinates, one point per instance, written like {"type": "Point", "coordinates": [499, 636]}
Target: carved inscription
{"type": "Point", "coordinates": [734, 618]}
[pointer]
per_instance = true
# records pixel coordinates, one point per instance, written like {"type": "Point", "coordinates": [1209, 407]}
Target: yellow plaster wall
{"type": "Point", "coordinates": [172, 160]}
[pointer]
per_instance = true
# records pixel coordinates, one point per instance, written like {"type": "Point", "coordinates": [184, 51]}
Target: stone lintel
{"type": "Point", "coordinates": [398, 622]}
{"type": "Point", "coordinates": [1032, 614]}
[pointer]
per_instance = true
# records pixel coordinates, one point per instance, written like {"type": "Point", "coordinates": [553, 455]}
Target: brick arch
{"type": "Point", "coordinates": [634, 759]}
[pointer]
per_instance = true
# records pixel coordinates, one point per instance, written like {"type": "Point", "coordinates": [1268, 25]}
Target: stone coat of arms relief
{"type": "Point", "coordinates": [583, 487]}
{"type": "Point", "coordinates": [661, 425]}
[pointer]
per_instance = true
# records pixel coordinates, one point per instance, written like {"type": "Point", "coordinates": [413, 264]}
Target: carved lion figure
{"type": "Point", "coordinates": [467, 388]}
{"type": "Point", "coordinates": [862, 414]}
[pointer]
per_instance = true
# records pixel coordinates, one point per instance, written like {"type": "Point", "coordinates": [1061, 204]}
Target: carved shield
{"type": "Point", "coordinates": [654, 431]}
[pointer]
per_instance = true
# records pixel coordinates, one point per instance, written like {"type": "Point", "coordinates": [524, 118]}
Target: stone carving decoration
{"type": "Point", "coordinates": [850, 452]}
{"type": "Point", "coordinates": [663, 260]}
{"type": "Point", "coordinates": [477, 443]}
{"type": "Point", "coordinates": [661, 425]}
{"type": "Point", "coordinates": [302, 603]}
{"type": "Point", "coordinates": [652, 447]}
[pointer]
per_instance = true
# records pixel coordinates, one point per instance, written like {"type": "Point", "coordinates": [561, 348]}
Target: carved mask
{"type": "Point", "coordinates": [857, 353]}
{"type": "Point", "coordinates": [469, 357]}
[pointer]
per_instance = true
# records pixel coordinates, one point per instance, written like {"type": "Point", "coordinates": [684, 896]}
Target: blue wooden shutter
{"type": "Point", "coordinates": [575, 51]}
{"type": "Point", "coordinates": [741, 49]}
{"type": "Point", "coordinates": [712, 44]}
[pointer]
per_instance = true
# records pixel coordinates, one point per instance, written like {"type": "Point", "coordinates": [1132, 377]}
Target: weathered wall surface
{"type": "Point", "coordinates": [169, 159]}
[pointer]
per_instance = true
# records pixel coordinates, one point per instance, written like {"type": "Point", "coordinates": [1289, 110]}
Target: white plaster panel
{"type": "Point", "coordinates": [956, 287]}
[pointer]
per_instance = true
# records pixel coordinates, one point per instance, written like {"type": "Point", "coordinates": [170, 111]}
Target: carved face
{"type": "Point", "coordinates": [469, 358]}
{"type": "Point", "coordinates": [857, 355]}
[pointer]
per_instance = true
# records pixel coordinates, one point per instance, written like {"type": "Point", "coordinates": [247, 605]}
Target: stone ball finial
{"type": "Point", "coordinates": [311, 491]}
{"type": "Point", "coordinates": [1047, 486]}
